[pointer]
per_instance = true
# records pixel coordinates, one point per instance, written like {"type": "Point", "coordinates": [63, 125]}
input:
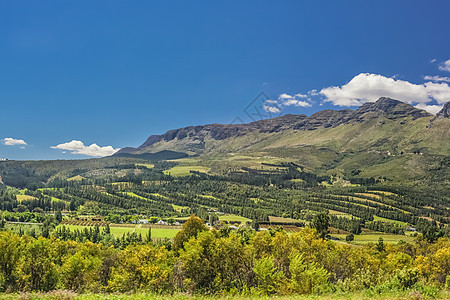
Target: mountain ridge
{"type": "Point", "coordinates": [384, 107]}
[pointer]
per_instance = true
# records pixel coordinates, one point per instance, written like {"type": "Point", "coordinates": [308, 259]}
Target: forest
{"type": "Point", "coordinates": [274, 230]}
{"type": "Point", "coordinates": [203, 261]}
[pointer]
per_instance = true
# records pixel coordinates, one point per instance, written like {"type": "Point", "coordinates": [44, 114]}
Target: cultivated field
{"type": "Point", "coordinates": [374, 237]}
{"type": "Point", "coordinates": [118, 231]}
{"type": "Point", "coordinates": [178, 171]}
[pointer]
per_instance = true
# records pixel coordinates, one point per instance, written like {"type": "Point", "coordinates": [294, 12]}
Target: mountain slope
{"type": "Point", "coordinates": [387, 136]}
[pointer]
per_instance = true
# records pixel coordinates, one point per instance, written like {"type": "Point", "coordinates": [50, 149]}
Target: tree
{"type": "Point", "coordinates": [58, 216]}
{"type": "Point", "coordinates": [350, 237]}
{"type": "Point", "coordinates": [142, 266]}
{"type": "Point", "coordinates": [107, 229]}
{"type": "Point", "coordinates": [72, 205]}
{"type": "Point", "coordinates": [255, 225]}
{"type": "Point", "coordinates": [149, 235]}
{"type": "Point", "coordinates": [321, 222]}
{"type": "Point", "coordinates": [380, 245]}
{"type": "Point", "coordinates": [190, 228]}
{"type": "Point", "coordinates": [213, 218]}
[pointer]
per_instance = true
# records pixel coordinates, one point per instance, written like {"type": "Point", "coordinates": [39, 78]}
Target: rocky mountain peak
{"type": "Point", "coordinates": [391, 107]}
{"type": "Point", "coordinates": [445, 111]}
{"type": "Point", "coordinates": [194, 138]}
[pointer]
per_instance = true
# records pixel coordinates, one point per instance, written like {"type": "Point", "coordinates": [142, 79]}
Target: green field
{"type": "Point", "coordinates": [148, 166]}
{"type": "Point", "coordinates": [178, 171]}
{"type": "Point", "coordinates": [178, 207]}
{"type": "Point", "coordinates": [76, 178]}
{"type": "Point", "coordinates": [233, 218]}
{"type": "Point", "coordinates": [134, 195]}
{"type": "Point", "coordinates": [376, 218]}
{"type": "Point", "coordinates": [373, 238]}
{"type": "Point", "coordinates": [119, 231]}
{"type": "Point", "coordinates": [24, 197]}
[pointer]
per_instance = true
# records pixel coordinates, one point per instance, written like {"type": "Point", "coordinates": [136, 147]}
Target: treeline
{"type": "Point", "coordinates": [387, 227]}
{"type": "Point", "coordinates": [351, 225]}
{"type": "Point", "coordinates": [201, 261]}
{"type": "Point", "coordinates": [103, 236]}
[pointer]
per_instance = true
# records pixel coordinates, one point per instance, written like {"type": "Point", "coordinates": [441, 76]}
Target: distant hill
{"type": "Point", "coordinates": [383, 138]}
{"type": "Point", "coordinates": [161, 155]}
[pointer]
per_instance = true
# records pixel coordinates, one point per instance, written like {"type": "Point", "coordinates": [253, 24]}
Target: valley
{"type": "Point", "coordinates": [376, 179]}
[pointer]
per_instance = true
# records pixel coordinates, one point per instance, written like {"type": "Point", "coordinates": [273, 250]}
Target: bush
{"type": "Point", "coordinates": [350, 237]}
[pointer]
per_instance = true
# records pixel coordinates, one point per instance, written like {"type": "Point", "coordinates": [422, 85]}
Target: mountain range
{"type": "Point", "coordinates": [386, 137]}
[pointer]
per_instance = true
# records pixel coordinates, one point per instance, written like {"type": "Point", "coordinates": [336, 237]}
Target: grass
{"type": "Point", "coordinates": [179, 171]}
{"type": "Point", "coordinates": [280, 219]}
{"type": "Point", "coordinates": [119, 231]}
{"type": "Point", "coordinates": [135, 195]}
{"type": "Point", "coordinates": [24, 197]}
{"type": "Point", "coordinates": [26, 228]}
{"type": "Point", "coordinates": [377, 218]}
{"type": "Point", "coordinates": [148, 166]}
{"type": "Point", "coordinates": [363, 295]}
{"type": "Point", "coordinates": [233, 218]}
{"type": "Point", "coordinates": [158, 195]}
{"type": "Point", "coordinates": [341, 214]}
{"type": "Point", "coordinates": [76, 178]}
{"type": "Point", "coordinates": [178, 208]}
{"type": "Point", "coordinates": [208, 197]}
{"type": "Point", "coordinates": [373, 238]}
{"type": "Point", "coordinates": [383, 192]}
{"type": "Point", "coordinates": [58, 200]}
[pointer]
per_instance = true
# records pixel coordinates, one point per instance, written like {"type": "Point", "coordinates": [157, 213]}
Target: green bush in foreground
{"type": "Point", "coordinates": [224, 263]}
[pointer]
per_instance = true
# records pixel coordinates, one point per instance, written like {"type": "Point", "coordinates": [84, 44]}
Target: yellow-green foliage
{"type": "Point", "coordinates": [185, 170]}
{"type": "Point", "coordinates": [76, 178]}
{"type": "Point", "coordinates": [223, 262]}
{"type": "Point", "coordinates": [148, 166]}
{"type": "Point", "coordinates": [24, 197]}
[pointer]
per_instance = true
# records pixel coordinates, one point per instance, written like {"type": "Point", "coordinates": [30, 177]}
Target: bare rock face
{"type": "Point", "coordinates": [383, 107]}
{"type": "Point", "coordinates": [445, 112]}
{"type": "Point", "coordinates": [391, 108]}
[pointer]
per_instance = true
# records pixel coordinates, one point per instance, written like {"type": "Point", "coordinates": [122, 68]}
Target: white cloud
{"type": "Point", "coordinates": [437, 78]}
{"type": "Point", "coordinates": [438, 91]}
{"type": "Point", "coordinates": [433, 60]}
{"type": "Point", "coordinates": [445, 66]}
{"type": "Point", "coordinates": [434, 109]}
{"type": "Point", "coordinates": [77, 147]}
{"type": "Point", "coordinates": [369, 87]}
{"type": "Point", "coordinates": [13, 142]}
{"type": "Point", "coordinates": [284, 96]}
{"type": "Point", "coordinates": [271, 101]}
{"type": "Point", "coordinates": [293, 102]}
{"type": "Point", "coordinates": [272, 109]}
{"type": "Point", "coordinates": [300, 96]}
{"type": "Point", "coordinates": [313, 93]}
{"type": "Point", "coordinates": [275, 106]}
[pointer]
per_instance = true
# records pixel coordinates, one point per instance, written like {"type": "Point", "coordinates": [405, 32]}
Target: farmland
{"type": "Point", "coordinates": [118, 231]}
{"type": "Point", "coordinates": [281, 209]}
{"type": "Point", "coordinates": [185, 170]}
{"type": "Point", "coordinates": [375, 236]}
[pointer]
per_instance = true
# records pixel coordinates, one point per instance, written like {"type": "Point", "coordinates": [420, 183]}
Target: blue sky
{"type": "Point", "coordinates": [114, 72]}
